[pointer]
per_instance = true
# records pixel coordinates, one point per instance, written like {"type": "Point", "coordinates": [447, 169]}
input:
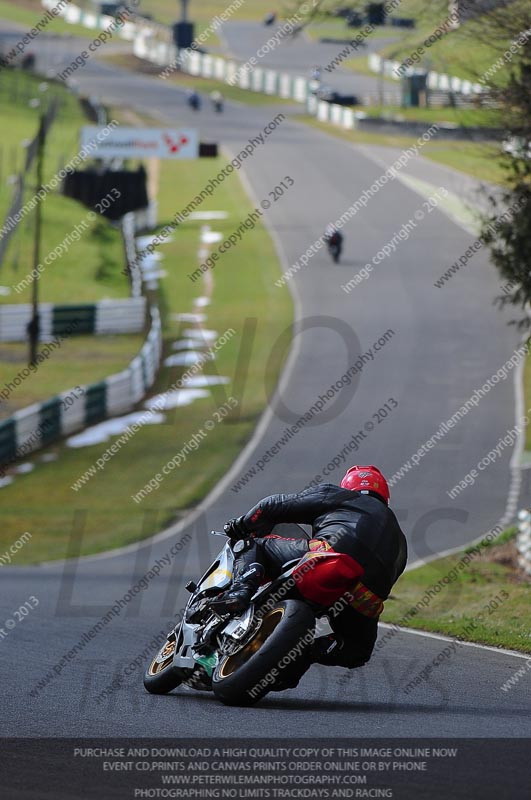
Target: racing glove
{"type": "Point", "coordinates": [236, 529]}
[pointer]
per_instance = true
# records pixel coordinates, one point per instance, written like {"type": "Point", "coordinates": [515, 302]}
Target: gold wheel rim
{"type": "Point", "coordinates": [234, 662]}
{"type": "Point", "coordinates": [163, 659]}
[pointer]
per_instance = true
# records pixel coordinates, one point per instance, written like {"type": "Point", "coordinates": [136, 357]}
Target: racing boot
{"type": "Point", "coordinates": [320, 652]}
{"type": "Point", "coordinates": [237, 598]}
{"type": "Point", "coordinates": [326, 650]}
{"type": "Point", "coordinates": [332, 651]}
{"type": "Point", "coordinates": [248, 574]}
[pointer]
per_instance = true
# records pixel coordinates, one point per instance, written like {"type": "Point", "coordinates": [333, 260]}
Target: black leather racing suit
{"type": "Point", "coordinates": [360, 525]}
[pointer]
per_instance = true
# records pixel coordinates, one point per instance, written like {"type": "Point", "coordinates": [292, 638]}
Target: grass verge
{"type": "Point", "coordinates": [488, 601]}
{"type": "Point", "coordinates": [29, 12]}
{"type": "Point", "coordinates": [102, 513]}
{"type": "Point", "coordinates": [460, 52]}
{"type": "Point", "coordinates": [90, 269]}
{"type": "Point", "coordinates": [88, 266]}
{"type": "Point", "coordinates": [202, 85]}
{"type": "Point", "coordinates": [464, 117]}
{"type": "Point", "coordinates": [527, 404]}
{"type": "Point", "coordinates": [360, 64]}
{"type": "Point", "coordinates": [81, 360]}
{"type": "Point", "coordinates": [205, 11]}
{"type": "Point", "coordinates": [473, 158]}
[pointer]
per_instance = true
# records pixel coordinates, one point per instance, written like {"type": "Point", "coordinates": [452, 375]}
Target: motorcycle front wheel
{"type": "Point", "coordinates": [161, 676]}
{"type": "Point", "coordinates": [284, 637]}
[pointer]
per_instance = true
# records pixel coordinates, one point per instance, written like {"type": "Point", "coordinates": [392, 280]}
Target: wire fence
{"type": "Point", "coordinates": [13, 218]}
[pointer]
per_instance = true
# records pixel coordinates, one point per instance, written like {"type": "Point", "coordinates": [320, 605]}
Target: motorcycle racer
{"type": "Point", "coordinates": [352, 522]}
{"type": "Point", "coordinates": [334, 241]}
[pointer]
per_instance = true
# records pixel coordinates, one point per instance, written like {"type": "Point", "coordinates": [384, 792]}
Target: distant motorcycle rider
{"type": "Point", "coordinates": [316, 73]}
{"type": "Point", "coordinates": [352, 520]}
{"type": "Point", "coordinates": [194, 99]}
{"type": "Point", "coordinates": [334, 241]}
{"type": "Point", "coordinates": [216, 99]}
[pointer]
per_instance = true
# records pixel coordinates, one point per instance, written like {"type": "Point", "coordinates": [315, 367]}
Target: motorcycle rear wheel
{"type": "Point", "coordinates": [247, 676]}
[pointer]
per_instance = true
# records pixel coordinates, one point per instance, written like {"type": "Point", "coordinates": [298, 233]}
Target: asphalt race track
{"type": "Point", "coordinates": [300, 54]}
{"type": "Point", "coordinates": [445, 343]}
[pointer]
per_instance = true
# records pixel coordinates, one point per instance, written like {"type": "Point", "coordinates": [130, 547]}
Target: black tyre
{"type": "Point", "coordinates": [247, 676]}
{"type": "Point", "coordinates": [161, 676]}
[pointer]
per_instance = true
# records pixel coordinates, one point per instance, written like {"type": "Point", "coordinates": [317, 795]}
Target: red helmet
{"type": "Point", "coordinates": [366, 479]}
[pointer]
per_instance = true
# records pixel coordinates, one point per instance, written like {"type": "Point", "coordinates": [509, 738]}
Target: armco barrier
{"type": "Point", "coordinates": [103, 317]}
{"type": "Point", "coordinates": [152, 42]}
{"type": "Point", "coordinates": [436, 80]}
{"type": "Point", "coordinates": [300, 90]}
{"type": "Point", "coordinates": [350, 119]}
{"type": "Point", "coordinates": [523, 540]}
{"type": "Point", "coordinates": [78, 16]}
{"type": "Point", "coordinates": [40, 424]}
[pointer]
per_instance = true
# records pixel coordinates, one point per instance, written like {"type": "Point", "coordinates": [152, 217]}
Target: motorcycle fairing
{"type": "Point", "coordinates": [219, 575]}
